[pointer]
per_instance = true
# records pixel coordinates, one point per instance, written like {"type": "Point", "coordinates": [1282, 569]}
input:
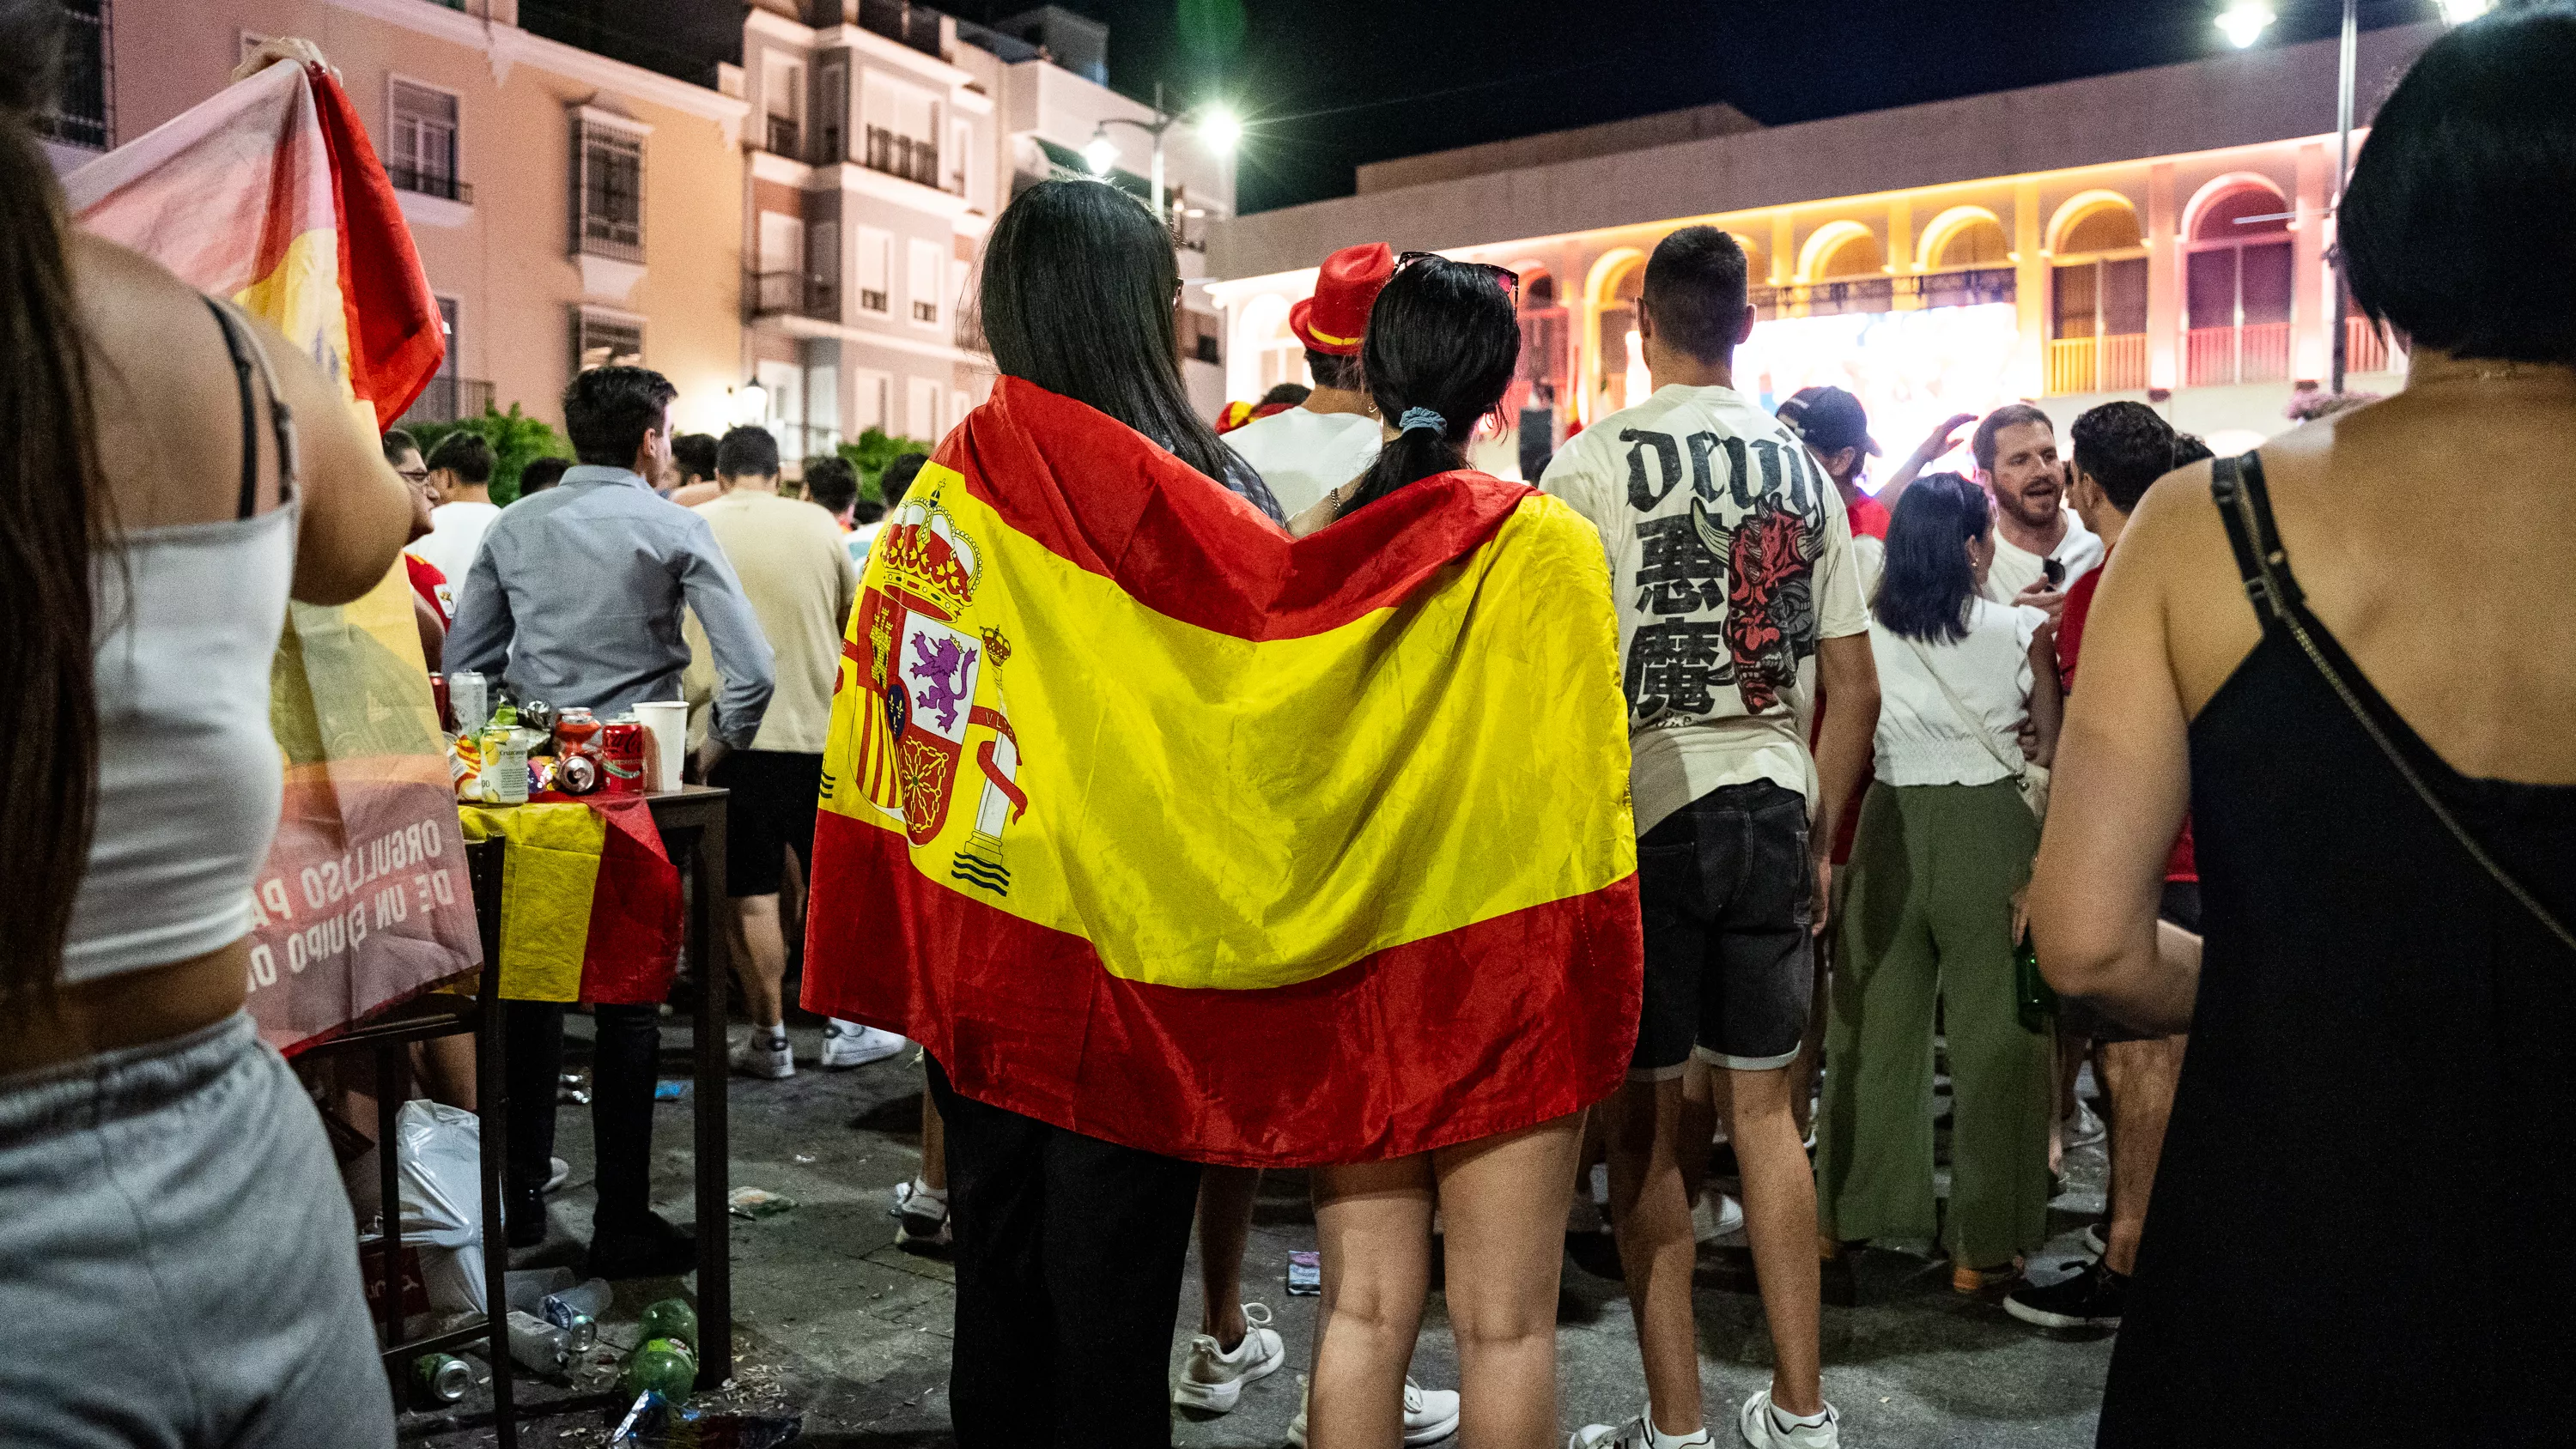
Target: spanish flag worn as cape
{"type": "Point", "coordinates": [1155, 825]}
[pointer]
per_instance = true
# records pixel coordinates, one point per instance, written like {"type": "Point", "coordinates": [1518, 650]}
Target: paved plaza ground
{"type": "Point", "coordinates": [836, 1321]}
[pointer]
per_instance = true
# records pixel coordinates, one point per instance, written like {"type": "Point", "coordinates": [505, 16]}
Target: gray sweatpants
{"type": "Point", "coordinates": [178, 1269]}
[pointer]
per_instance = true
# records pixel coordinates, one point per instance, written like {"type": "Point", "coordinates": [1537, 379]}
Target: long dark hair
{"type": "Point", "coordinates": [53, 505]}
{"type": "Point", "coordinates": [1077, 296]}
{"type": "Point", "coordinates": [1928, 583]}
{"type": "Point", "coordinates": [1443, 338]}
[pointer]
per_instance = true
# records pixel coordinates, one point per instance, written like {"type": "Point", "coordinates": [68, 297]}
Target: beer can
{"type": "Point", "coordinates": [621, 757]}
{"type": "Point", "coordinates": [469, 699]}
{"type": "Point", "coordinates": [577, 774]}
{"type": "Point", "coordinates": [438, 702]}
{"type": "Point", "coordinates": [442, 1377]}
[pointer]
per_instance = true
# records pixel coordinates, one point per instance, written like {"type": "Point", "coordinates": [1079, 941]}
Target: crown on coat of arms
{"type": "Point", "coordinates": [928, 557]}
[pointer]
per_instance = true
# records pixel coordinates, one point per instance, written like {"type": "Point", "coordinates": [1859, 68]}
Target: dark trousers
{"type": "Point", "coordinates": [1069, 1253]}
{"type": "Point", "coordinates": [623, 1069]}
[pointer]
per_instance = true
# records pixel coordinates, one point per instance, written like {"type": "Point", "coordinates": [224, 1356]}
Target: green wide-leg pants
{"type": "Point", "coordinates": [1926, 918]}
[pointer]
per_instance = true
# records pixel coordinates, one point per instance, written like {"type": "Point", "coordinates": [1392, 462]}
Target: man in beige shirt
{"type": "Point", "coordinates": [789, 556]}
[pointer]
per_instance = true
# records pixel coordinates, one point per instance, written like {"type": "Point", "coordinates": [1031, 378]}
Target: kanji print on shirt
{"type": "Point", "coordinates": [1726, 587]}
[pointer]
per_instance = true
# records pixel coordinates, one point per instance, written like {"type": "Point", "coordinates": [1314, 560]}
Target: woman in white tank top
{"type": "Point", "coordinates": [171, 1223]}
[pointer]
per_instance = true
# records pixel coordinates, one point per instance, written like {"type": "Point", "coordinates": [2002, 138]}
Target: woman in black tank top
{"type": "Point", "coordinates": [2361, 1228]}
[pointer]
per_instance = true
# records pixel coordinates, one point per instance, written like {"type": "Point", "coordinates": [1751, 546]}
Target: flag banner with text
{"type": "Point", "coordinates": [269, 194]}
{"type": "Point", "coordinates": [1155, 825]}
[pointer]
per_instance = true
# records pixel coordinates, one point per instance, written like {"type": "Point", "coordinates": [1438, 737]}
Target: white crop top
{"type": "Point", "coordinates": [189, 776]}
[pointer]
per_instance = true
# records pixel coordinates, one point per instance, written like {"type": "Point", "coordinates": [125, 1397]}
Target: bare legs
{"type": "Point", "coordinates": [760, 949]}
{"type": "Point", "coordinates": [934, 1146]}
{"type": "Point", "coordinates": [1225, 1226]}
{"type": "Point", "coordinates": [1503, 1200]}
{"type": "Point", "coordinates": [1650, 1212]}
{"type": "Point", "coordinates": [2140, 1077]}
{"type": "Point", "coordinates": [1780, 1219]}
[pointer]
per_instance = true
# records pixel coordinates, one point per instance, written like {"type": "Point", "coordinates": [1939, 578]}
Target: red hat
{"type": "Point", "coordinates": [1335, 318]}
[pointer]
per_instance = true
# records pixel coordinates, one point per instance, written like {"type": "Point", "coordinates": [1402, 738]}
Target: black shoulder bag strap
{"type": "Point", "coordinates": [2246, 510]}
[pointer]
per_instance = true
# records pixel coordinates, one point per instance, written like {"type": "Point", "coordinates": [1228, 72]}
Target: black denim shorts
{"type": "Point", "coordinates": [1727, 887]}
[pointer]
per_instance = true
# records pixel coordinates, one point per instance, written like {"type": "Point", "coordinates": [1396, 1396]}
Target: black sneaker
{"type": "Point", "coordinates": [2088, 1299]}
{"type": "Point", "coordinates": [652, 1248]}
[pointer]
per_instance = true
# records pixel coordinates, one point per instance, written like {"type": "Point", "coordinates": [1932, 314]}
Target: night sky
{"type": "Point", "coordinates": [1328, 84]}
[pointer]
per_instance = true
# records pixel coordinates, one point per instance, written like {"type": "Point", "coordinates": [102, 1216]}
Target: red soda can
{"type": "Point", "coordinates": [446, 717]}
{"type": "Point", "coordinates": [621, 757]}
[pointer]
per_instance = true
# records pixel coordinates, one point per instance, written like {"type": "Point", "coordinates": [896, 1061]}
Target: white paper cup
{"type": "Point", "coordinates": [666, 729]}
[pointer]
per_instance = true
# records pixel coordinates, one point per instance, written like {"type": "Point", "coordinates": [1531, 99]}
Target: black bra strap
{"type": "Point", "coordinates": [247, 354]}
{"type": "Point", "coordinates": [249, 413]}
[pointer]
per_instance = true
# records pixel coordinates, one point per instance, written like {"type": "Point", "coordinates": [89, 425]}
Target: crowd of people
{"type": "Point", "coordinates": [1889, 827]}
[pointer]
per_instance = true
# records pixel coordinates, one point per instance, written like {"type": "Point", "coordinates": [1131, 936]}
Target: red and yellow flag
{"type": "Point", "coordinates": [268, 195]}
{"type": "Point", "coordinates": [1155, 825]}
{"type": "Point", "coordinates": [590, 902]}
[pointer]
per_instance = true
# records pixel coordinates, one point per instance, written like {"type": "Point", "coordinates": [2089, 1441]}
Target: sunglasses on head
{"type": "Point", "coordinates": [1509, 280]}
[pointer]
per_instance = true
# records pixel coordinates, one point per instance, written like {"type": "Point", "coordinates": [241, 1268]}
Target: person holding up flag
{"type": "Point", "coordinates": [174, 1242]}
{"type": "Point", "coordinates": [1174, 840]}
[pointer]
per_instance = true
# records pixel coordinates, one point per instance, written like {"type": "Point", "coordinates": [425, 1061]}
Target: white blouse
{"type": "Point", "coordinates": [1922, 740]}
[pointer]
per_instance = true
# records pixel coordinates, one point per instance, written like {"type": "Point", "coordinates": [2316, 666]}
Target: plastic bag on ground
{"type": "Point", "coordinates": [438, 1159]}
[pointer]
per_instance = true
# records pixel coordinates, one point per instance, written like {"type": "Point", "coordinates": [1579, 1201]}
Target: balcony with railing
{"type": "Point", "coordinates": [2117, 363]}
{"type": "Point", "coordinates": [785, 137]}
{"type": "Point", "coordinates": [798, 441]}
{"type": "Point", "coordinates": [449, 400]}
{"type": "Point", "coordinates": [421, 182]}
{"type": "Point", "coordinates": [2365, 347]}
{"type": "Point", "coordinates": [792, 294]}
{"type": "Point", "coordinates": [905, 156]}
{"type": "Point", "coordinates": [2254, 352]}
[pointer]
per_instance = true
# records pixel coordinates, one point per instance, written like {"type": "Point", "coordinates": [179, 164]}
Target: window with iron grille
{"type": "Point", "coordinates": [84, 113]}
{"type": "Point", "coordinates": [605, 340]}
{"type": "Point", "coordinates": [607, 191]}
{"type": "Point", "coordinates": [420, 154]}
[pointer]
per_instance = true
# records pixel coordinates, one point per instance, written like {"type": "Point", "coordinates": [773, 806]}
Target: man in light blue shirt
{"type": "Point", "coordinates": [577, 599]}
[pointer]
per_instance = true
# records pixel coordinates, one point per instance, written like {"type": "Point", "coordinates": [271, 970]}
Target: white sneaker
{"type": "Point", "coordinates": [1630, 1435]}
{"type": "Point", "coordinates": [921, 1218]}
{"type": "Point", "coordinates": [2085, 1128]}
{"type": "Point", "coordinates": [848, 1044]}
{"type": "Point", "coordinates": [1765, 1427]}
{"type": "Point", "coordinates": [1430, 1415]}
{"type": "Point", "coordinates": [1213, 1378]}
{"type": "Point", "coordinates": [558, 1172]}
{"type": "Point", "coordinates": [1711, 1222]}
{"type": "Point", "coordinates": [764, 1055]}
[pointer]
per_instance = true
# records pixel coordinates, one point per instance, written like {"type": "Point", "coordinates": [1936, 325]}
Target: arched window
{"type": "Point", "coordinates": [1976, 242]}
{"type": "Point", "coordinates": [2237, 288]}
{"type": "Point", "coordinates": [1855, 255]}
{"type": "Point", "coordinates": [1546, 359]}
{"type": "Point", "coordinates": [2111, 227]}
{"type": "Point", "coordinates": [2098, 300]}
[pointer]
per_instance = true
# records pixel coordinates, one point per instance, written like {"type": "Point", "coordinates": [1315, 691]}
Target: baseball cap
{"type": "Point", "coordinates": [1828, 420]}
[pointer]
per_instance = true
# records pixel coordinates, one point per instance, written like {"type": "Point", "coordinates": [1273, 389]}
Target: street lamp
{"type": "Point", "coordinates": [1216, 126]}
{"type": "Point", "coordinates": [2244, 22]}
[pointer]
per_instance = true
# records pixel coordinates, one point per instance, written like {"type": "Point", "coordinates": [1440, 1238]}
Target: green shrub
{"type": "Point", "coordinates": [874, 449]}
{"type": "Point", "coordinates": [517, 440]}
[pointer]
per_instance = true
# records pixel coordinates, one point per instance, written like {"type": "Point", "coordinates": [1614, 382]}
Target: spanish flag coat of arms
{"type": "Point", "coordinates": [1151, 823]}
